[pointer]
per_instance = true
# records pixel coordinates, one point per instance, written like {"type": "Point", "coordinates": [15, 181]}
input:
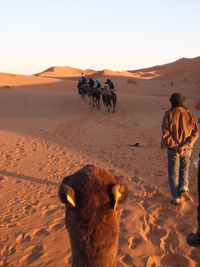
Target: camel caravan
{"type": "Point", "coordinates": [91, 197]}
{"type": "Point", "coordinates": [93, 92]}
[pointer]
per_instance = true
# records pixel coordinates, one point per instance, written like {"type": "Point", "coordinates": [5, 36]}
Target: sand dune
{"type": "Point", "coordinates": [48, 131]}
{"type": "Point", "coordinates": [67, 72]}
{"type": "Point", "coordinates": [61, 72]}
{"type": "Point", "coordinates": [189, 68]}
{"type": "Point", "coordinates": [13, 80]}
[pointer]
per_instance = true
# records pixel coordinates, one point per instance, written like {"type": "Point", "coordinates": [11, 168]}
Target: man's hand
{"type": "Point", "coordinates": [181, 150]}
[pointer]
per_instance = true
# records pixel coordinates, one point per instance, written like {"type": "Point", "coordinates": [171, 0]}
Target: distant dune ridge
{"type": "Point", "coordinates": [64, 72]}
{"type": "Point", "coordinates": [48, 132]}
{"type": "Point", "coordinates": [184, 66]}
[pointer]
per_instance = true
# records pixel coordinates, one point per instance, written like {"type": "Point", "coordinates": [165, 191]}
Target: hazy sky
{"type": "Point", "coordinates": [96, 34]}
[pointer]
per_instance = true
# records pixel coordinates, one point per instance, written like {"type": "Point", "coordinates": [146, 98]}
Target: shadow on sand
{"type": "Point", "coordinates": [28, 178]}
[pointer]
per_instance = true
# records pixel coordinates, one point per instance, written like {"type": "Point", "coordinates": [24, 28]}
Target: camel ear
{"type": "Point", "coordinates": [70, 194]}
{"type": "Point", "coordinates": [118, 193]}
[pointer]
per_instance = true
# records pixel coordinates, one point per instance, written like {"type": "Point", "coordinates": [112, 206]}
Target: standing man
{"type": "Point", "coordinates": [179, 133]}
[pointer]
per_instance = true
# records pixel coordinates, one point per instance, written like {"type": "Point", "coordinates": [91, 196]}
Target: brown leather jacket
{"type": "Point", "coordinates": [179, 129]}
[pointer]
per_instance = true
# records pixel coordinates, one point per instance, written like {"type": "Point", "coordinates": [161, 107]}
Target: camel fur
{"type": "Point", "coordinates": [91, 196]}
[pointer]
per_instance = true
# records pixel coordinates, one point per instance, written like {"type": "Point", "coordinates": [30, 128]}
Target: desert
{"type": "Point", "coordinates": [48, 132]}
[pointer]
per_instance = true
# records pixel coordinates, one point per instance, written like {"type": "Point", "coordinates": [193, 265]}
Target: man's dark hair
{"type": "Point", "coordinates": [177, 100]}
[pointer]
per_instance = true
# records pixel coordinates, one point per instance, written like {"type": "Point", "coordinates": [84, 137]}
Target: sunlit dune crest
{"type": "Point", "coordinates": [64, 72]}
{"type": "Point", "coordinates": [184, 66]}
{"type": "Point", "coordinates": [7, 79]}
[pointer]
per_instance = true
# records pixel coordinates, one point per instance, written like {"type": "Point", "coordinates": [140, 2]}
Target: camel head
{"type": "Point", "coordinates": [92, 196]}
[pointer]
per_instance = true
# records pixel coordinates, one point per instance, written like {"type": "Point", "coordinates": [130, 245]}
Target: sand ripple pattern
{"type": "Point", "coordinates": [33, 163]}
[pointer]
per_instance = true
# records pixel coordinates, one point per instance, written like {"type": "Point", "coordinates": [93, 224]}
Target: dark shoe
{"type": "Point", "coordinates": [177, 201]}
{"type": "Point", "coordinates": [193, 240]}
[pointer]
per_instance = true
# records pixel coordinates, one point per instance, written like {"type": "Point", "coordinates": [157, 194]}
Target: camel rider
{"type": "Point", "coordinates": [111, 85]}
{"type": "Point", "coordinates": [106, 89]}
{"type": "Point", "coordinates": [98, 85]}
{"type": "Point", "coordinates": [91, 83]}
{"type": "Point", "coordinates": [83, 79]}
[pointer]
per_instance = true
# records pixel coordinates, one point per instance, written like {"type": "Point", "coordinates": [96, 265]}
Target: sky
{"type": "Point", "coordinates": [96, 34]}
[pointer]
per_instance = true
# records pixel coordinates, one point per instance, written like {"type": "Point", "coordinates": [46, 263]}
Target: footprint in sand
{"type": "Point", "coordinates": [145, 204]}
{"type": "Point", "coordinates": [149, 188]}
{"type": "Point", "coordinates": [160, 221]}
{"type": "Point", "coordinates": [8, 250]}
{"type": "Point", "coordinates": [40, 232]}
{"type": "Point", "coordinates": [23, 237]}
{"type": "Point", "coordinates": [19, 149]}
{"type": "Point", "coordinates": [125, 213]}
{"type": "Point", "coordinates": [152, 261]}
{"type": "Point", "coordinates": [14, 201]}
{"type": "Point", "coordinates": [123, 239]}
{"type": "Point", "coordinates": [135, 242]}
{"type": "Point", "coordinates": [152, 228]}
{"type": "Point", "coordinates": [6, 157]}
{"type": "Point", "coordinates": [170, 259]}
{"type": "Point", "coordinates": [135, 179]}
{"type": "Point", "coordinates": [6, 218]}
{"type": "Point", "coordinates": [49, 209]}
{"type": "Point", "coordinates": [10, 225]}
{"type": "Point", "coordinates": [170, 242]}
{"type": "Point", "coordinates": [33, 144]}
{"type": "Point", "coordinates": [155, 234]}
{"type": "Point", "coordinates": [32, 254]}
{"type": "Point", "coordinates": [27, 209]}
{"type": "Point", "coordinates": [127, 260]}
{"type": "Point", "coordinates": [156, 194]}
{"type": "Point", "coordinates": [57, 226]}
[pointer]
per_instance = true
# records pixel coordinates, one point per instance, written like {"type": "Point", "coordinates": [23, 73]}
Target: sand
{"type": "Point", "coordinates": [47, 132]}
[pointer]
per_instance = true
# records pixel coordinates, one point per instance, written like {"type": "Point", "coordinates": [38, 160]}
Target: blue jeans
{"type": "Point", "coordinates": [178, 166]}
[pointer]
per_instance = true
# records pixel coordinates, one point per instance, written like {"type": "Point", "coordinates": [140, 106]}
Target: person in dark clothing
{"type": "Point", "coordinates": [110, 84]}
{"type": "Point", "coordinates": [91, 83]}
{"type": "Point", "coordinates": [98, 85]}
{"type": "Point", "coordinates": [83, 79]}
{"type": "Point", "coordinates": [179, 133]}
